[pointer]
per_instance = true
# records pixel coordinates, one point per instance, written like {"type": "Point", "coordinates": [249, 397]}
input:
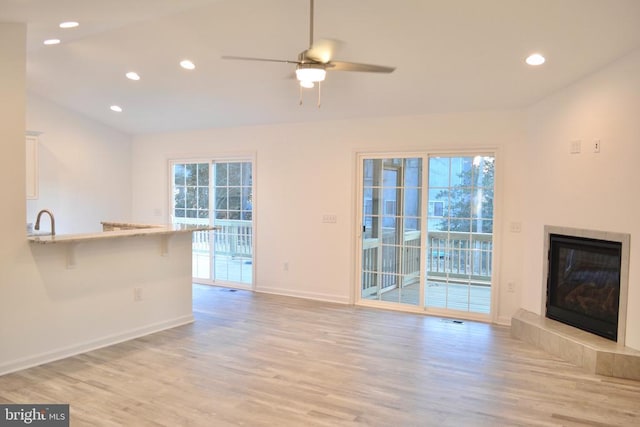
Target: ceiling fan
{"type": "Point", "coordinates": [313, 63]}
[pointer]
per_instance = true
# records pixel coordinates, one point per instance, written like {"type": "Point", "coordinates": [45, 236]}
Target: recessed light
{"type": "Point", "coordinates": [187, 65]}
{"type": "Point", "coordinates": [116, 108]}
{"type": "Point", "coordinates": [132, 75]}
{"type": "Point", "coordinates": [535, 59]}
{"type": "Point", "coordinates": [69, 24]}
{"type": "Point", "coordinates": [50, 42]}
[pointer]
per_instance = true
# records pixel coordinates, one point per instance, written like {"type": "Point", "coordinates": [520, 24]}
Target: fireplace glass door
{"type": "Point", "coordinates": [583, 286]}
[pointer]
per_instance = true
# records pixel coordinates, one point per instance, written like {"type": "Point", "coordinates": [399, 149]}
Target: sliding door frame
{"type": "Point", "coordinates": [493, 316]}
{"type": "Point", "coordinates": [211, 159]}
{"type": "Point", "coordinates": [359, 218]}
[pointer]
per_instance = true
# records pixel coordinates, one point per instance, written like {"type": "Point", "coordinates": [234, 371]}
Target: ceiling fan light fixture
{"type": "Point", "coordinates": [311, 73]}
{"type": "Point", "coordinates": [306, 84]}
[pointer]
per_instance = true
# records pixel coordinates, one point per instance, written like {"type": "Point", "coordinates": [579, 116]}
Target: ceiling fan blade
{"type": "Point", "coordinates": [323, 50]}
{"type": "Point", "coordinates": [248, 58]}
{"type": "Point", "coordinates": [354, 66]}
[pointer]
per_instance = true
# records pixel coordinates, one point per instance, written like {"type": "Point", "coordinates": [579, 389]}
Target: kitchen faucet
{"type": "Point", "coordinates": [53, 221]}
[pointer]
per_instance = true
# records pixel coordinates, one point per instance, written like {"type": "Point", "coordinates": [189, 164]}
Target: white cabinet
{"type": "Point", "coordinates": [32, 167]}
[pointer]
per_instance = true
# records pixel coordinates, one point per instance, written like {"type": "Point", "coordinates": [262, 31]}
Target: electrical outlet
{"type": "Point", "coordinates": [511, 287]}
{"type": "Point", "coordinates": [575, 147]}
{"type": "Point", "coordinates": [285, 266]}
{"type": "Point", "coordinates": [137, 294]}
{"type": "Point", "coordinates": [329, 218]}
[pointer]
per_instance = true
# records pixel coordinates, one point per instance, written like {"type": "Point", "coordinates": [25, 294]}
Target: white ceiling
{"type": "Point", "coordinates": [451, 56]}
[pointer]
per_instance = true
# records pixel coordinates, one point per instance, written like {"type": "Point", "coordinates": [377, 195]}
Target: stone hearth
{"type": "Point", "coordinates": [595, 354]}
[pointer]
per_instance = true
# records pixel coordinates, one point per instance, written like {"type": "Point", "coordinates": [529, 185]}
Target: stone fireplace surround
{"type": "Point", "coordinates": [595, 354]}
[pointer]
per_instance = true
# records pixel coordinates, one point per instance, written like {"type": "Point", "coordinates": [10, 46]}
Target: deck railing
{"type": "Point", "coordinates": [459, 255]}
{"type": "Point", "coordinates": [454, 255]}
{"type": "Point", "coordinates": [232, 238]}
{"type": "Point", "coordinates": [390, 255]}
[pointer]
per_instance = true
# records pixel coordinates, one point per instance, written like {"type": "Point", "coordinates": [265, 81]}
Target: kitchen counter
{"type": "Point", "coordinates": [115, 226]}
{"type": "Point", "coordinates": [119, 230]}
{"type": "Point", "coordinates": [107, 287]}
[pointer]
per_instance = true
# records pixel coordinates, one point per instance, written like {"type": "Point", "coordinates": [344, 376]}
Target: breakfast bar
{"type": "Point", "coordinates": [107, 287]}
{"type": "Point", "coordinates": [117, 230]}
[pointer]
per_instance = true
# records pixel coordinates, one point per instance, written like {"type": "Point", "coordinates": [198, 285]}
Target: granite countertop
{"type": "Point", "coordinates": [150, 229]}
{"type": "Point", "coordinates": [126, 225]}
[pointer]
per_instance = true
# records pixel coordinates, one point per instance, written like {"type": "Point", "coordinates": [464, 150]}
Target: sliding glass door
{"type": "Point", "coordinates": [391, 237]}
{"type": "Point", "coordinates": [460, 233]}
{"type": "Point", "coordinates": [218, 193]}
{"type": "Point", "coordinates": [448, 268]}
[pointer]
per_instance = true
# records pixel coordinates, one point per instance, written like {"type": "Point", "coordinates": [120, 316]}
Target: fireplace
{"type": "Point", "coordinates": [587, 280]}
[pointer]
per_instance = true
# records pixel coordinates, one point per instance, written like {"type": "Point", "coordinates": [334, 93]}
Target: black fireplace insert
{"type": "Point", "coordinates": [583, 285]}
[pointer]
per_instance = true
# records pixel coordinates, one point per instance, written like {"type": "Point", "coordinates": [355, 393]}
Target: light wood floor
{"type": "Point", "coordinates": [263, 360]}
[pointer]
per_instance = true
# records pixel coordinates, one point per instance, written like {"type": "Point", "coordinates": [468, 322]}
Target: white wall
{"type": "Point", "coordinates": [12, 140]}
{"type": "Point", "coordinates": [307, 170]}
{"type": "Point", "coordinates": [13, 245]}
{"type": "Point", "coordinates": [84, 169]}
{"type": "Point", "coordinates": [586, 190]}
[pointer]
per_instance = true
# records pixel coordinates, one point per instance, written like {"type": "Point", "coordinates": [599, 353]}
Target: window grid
{"type": "Point", "coordinates": [233, 191]}
{"type": "Point", "coordinates": [191, 190]}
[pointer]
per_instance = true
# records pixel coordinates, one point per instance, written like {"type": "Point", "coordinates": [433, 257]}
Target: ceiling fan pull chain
{"type": "Point", "coordinates": [300, 87]}
{"type": "Point", "coordinates": [319, 93]}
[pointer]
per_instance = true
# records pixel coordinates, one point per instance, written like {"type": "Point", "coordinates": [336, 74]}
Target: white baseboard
{"type": "Point", "coordinates": [302, 294]}
{"type": "Point", "coordinates": [503, 320]}
{"type": "Point", "coordinates": [94, 344]}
